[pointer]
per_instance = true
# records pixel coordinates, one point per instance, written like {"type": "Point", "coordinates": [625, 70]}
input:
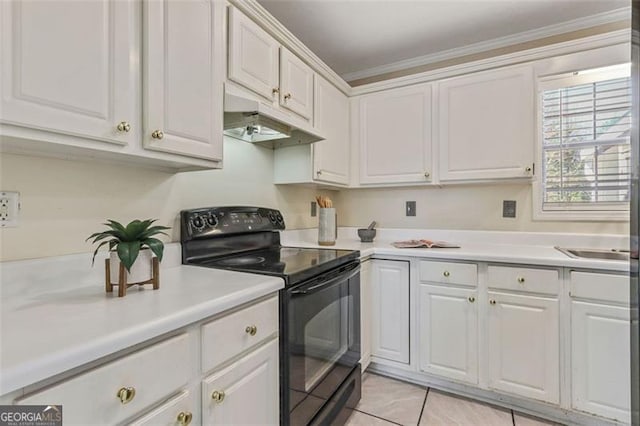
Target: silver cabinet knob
{"type": "Point", "coordinates": [521, 280]}
{"type": "Point", "coordinates": [157, 134]}
{"type": "Point", "coordinates": [446, 273]}
{"type": "Point", "coordinates": [275, 91]}
{"type": "Point", "coordinates": [472, 299]}
{"type": "Point", "coordinates": [492, 302]}
{"type": "Point", "coordinates": [287, 97]}
{"type": "Point", "coordinates": [528, 169]}
{"type": "Point", "coordinates": [427, 174]}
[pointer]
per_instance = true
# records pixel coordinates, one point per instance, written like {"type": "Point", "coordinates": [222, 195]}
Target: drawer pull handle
{"type": "Point", "coordinates": [157, 134]}
{"type": "Point", "coordinates": [185, 418]}
{"type": "Point", "coordinates": [123, 126]}
{"type": "Point", "coordinates": [251, 330]}
{"type": "Point", "coordinates": [218, 396]}
{"type": "Point", "coordinates": [472, 299]}
{"type": "Point", "coordinates": [492, 302]}
{"type": "Point", "coordinates": [446, 273]}
{"type": "Point", "coordinates": [521, 280]}
{"type": "Point", "coordinates": [125, 395]}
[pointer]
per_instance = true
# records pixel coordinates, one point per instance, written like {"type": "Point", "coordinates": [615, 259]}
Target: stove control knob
{"type": "Point", "coordinates": [280, 218]}
{"type": "Point", "coordinates": [272, 217]}
{"type": "Point", "coordinates": [197, 223]}
{"type": "Point", "coordinates": [212, 220]}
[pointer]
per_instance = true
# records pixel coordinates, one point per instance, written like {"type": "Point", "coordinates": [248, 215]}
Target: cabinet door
{"type": "Point", "coordinates": [296, 84]}
{"type": "Point", "coordinates": [365, 313]}
{"type": "Point", "coordinates": [331, 112]}
{"type": "Point", "coordinates": [246, 392]}
{"type": "Point", "coordinates": [68, 67]}
{"type": "Point", "coordinates": [390, 313]}
{"type": "Point", "coordinates": [184, 75]}
{"type": "Point", "coordinates": [395, 136]}
{"type": "Point", "coordinates": [486, 125]}
{"type": "Point", "coordinates": [449, 332]}
{"type": "Point", "coordinates": [600, 364]}
{"type": "Point", "coordinates": [253, 56]}
{"type": "Point", "coordinates": [524, 346]}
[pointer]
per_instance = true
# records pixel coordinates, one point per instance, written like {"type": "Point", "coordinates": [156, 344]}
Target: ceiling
{"type": "Point", "coordinates": [352, 36]}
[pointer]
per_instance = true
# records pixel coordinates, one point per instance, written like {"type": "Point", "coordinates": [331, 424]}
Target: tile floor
{"type": "Point", "coordinates": [387, 402]}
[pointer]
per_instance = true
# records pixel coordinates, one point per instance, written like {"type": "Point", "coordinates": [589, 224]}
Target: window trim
{"type": "Point", "coordinates": [601, 213]}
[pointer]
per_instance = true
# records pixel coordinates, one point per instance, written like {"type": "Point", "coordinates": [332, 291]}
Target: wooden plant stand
{"type": "Point", "coordinates": [122, 278]}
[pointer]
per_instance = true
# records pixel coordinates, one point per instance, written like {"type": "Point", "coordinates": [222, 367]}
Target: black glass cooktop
{"type": "Point", "coordinates": [293, 264]}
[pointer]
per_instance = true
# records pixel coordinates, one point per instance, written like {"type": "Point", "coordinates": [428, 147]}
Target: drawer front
{"type": "Point", "coordinates": [228, 336]}
{"type": "Point", "coordinates": [92, 397]}
{"type": "Point", "coordinates": [597, 286]}
{"type": "Point", "coordinates": [544, 281]}
{"type": "Point", "coordinates": [176, 411]}
{"type": "Point", "coordinates": [449, 272]}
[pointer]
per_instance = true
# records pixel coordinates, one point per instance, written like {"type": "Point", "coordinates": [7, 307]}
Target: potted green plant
{"type": "Point", "coordinates": [134, 245]}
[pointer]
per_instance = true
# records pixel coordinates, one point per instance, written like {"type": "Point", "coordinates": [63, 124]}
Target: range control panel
{"type": "Point", "coordinates": [214, 221]}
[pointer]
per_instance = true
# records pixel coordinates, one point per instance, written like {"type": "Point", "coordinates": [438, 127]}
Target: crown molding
{"type": "Point", "coordinates": [523, 37]}
{"type": "Point", "coordinates": [269, 23]}
{"type": "Point", "coordinates": [587, 43]}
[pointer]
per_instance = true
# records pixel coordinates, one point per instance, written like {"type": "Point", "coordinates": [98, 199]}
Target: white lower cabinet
{"type": "Point", "coordinates": [600, 345]}
{"type": "Point", "coordinates": [365, 314]}
{"type": "Point", "coordinates": [157, 384]}
{"type": "Point", "coordinates": [449, 332]}
{"type": "Point", "coordinates": [122, 388]}
{"type": "Point", "coordinates": [390, 310]}
{"type": "Point", "coordinates": [524, 345]}
{"type": "Point", "coordinates": [246, 392]}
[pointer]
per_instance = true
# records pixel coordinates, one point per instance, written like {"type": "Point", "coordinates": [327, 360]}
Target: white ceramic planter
{"type": "Point", "coordinates": [141, 270]}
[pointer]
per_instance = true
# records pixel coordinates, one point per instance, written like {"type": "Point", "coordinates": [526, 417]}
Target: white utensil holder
{"type": "Point", "coordinates": [327, 227]}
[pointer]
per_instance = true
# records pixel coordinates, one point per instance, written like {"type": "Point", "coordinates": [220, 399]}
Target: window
{"type": "Point", "coordinates": [585, 150]}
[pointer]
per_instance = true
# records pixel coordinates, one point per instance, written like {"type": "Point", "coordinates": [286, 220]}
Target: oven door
{"type": "Point", "coordinates": [322, 339]}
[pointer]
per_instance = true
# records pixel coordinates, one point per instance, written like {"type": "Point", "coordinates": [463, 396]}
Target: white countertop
{"type": "Point", "coordinates": [499, 247]}
{"type": "Point", "coordinates": [55, 315]}
{"type": "Point", "coordinates": [49, 331]}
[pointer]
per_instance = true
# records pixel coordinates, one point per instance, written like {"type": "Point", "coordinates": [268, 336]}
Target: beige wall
{"type": "Point", "coordinates": [65, 201]}
{"type": "Point", "coordinates": [476, 207]}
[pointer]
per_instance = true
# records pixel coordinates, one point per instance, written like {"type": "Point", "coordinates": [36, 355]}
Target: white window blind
{"type": "Point", "coordinates": [586, 146]}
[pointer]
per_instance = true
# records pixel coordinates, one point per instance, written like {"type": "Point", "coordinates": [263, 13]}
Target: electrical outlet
{"type": "Point", "coordinates": [9, 207]}
{"type": "Point", "coordinates": [410, 208]}
{"type": "Point", "coordinates": [508, 208]}
{"type": "Point", "coordinates": [314, 209]}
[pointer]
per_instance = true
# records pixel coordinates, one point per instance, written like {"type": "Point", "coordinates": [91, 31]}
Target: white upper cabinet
{"type": "Point", "coordinates": [328, 161]}
{"type": "Point", "coordinates": [253, 56]}
{"type": "Point", "coordinates": [394, 133]}
{"type": "Point", "coordinates": [331, 156]}
{"type": "Point", "coordinates": [183, 75]}
{"type": "Point", "coordinates": [259, 63]}
{"type": "Point", "coordinates": [296, 84]}
{"type": "Point", "coordinates": [486, 125]}
{"type": "Point", "coordinates": [67, 67]}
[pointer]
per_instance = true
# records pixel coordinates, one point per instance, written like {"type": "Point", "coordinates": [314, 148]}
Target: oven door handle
{"type": "Point", "coordinates": [311, 288]}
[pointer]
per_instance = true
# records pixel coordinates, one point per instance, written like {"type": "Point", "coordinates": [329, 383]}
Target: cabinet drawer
{"type": "Point", "coordinates": [178, 410]}
{"type": "Point", "coordinates": [545, 281]}
{"type": "Point", "coordinates": [605, 287]}
{"type": "Point", "coordinates": [91, 397]}
{"type": "Point", "coordinates": [228, 336]}
{"type": "Point", "coordinates": [449, 272]}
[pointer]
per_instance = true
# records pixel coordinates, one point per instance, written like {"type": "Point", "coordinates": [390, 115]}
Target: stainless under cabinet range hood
{"type": "Point", "coordinates": [252, 121]}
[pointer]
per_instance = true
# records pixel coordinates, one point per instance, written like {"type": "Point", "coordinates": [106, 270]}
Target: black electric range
{"type": "Point", "coordinates": [319, 306]}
